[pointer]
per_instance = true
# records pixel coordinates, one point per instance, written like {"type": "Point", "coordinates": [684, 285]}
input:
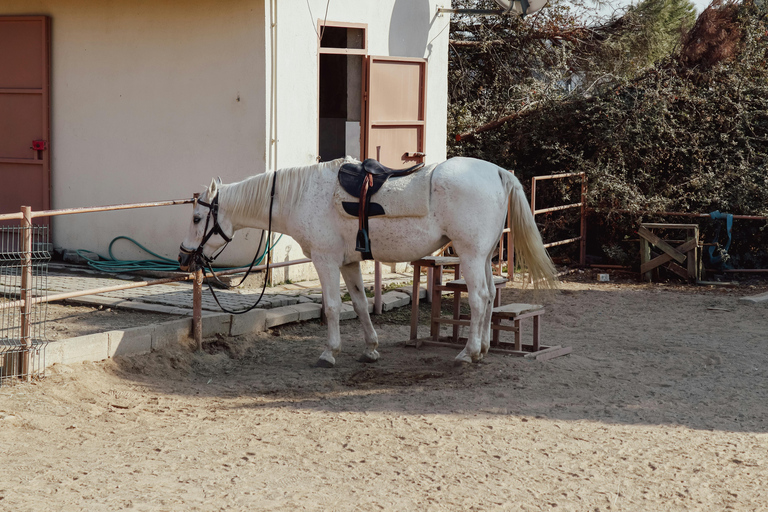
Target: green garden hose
{"type": "Point", "coordinates": [113, 265]}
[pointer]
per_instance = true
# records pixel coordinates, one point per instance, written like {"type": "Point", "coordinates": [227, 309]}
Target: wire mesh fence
{"type": "Point", "coordinates": [23, 276]}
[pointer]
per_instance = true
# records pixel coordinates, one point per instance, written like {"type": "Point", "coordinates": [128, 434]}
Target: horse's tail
{"type": "Point", "coordinates": [529, 248]}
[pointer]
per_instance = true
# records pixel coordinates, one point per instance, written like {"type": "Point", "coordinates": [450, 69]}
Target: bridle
{"type": "Point", "coordinates": [213, 213]}
{"type": "Point", "coordinates": [199, 257]}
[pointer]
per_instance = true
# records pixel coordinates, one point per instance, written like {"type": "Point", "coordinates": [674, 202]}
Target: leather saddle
{"type": "Point", "coordinates": [363, 180]}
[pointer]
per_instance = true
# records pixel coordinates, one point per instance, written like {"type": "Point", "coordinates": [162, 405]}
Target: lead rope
{"type": "Point", "coordinates": [268, 250]}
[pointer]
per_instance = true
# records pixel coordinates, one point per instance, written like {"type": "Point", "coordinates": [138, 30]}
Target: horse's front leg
{"type": "Point", "coordinates": [354, 281]}
{"type": "Point", "coordinates": [328, 272]}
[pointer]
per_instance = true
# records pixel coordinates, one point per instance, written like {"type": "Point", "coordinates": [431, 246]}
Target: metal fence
{"type": "Point", "coordinates": [24, 271]}
{"type": "Point", "coordinates": [24, 256]}
{"type": "Point", "coordinates": [581, 205]}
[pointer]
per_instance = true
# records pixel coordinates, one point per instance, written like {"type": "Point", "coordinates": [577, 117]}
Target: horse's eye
{"type": "Point", "coordinates": [196, 220]}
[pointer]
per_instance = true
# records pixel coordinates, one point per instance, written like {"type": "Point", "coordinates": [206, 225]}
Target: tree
{"type": "Point", "coordinates": [688, 133]}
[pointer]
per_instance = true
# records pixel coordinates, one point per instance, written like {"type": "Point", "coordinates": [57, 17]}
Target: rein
{"type": "Point", "coordinates": [213, 211]}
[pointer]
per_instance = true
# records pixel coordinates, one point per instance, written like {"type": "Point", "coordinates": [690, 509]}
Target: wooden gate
{"type": "Point", "coordinates": [24, 113]}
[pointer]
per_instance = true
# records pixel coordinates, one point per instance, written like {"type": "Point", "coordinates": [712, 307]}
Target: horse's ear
{"type": "Point", "coordinates": [213, 189]}
{"type": "Point", "coordinates": [218, 180]}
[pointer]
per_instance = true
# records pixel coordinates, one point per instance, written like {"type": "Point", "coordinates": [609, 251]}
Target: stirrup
{"type": "Point", "coordinates": [363, 243]}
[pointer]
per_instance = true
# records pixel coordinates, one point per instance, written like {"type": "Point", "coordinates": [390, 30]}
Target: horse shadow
{"type": "Point", "coordinates": [682, 373]}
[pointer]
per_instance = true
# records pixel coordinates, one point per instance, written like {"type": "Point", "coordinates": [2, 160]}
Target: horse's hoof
{"type": "Point", "coordinates": [462, 359]}
{"type": "Point", "coordinates": [367, 357]}
{"type": "Point", "coordinates": [323, 363]}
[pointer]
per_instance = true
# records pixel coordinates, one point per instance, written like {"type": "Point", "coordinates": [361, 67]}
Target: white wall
{"type": "Point", "coordinates": [403, 28]}
{"type": "Point", "coordinates": [145, 107]}
{"type": "Point", "coordinates": [151, 98]}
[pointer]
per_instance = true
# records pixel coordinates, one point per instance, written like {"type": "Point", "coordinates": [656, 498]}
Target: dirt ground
{"type": "Point", "coordinates": [662, 405]}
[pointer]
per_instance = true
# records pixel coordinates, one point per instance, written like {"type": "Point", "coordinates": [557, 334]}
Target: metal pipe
{"type": "Point", "coordinates": [684, 214]}
{"type": "Point", "coordinates": [197, 309]}
{"type": "Point", "coordinates": [558, 208]}
{"type": "Point", "coordinates": [92, 209]}
{"type": "Point", "coordinates": [562, 242]}
{"type": "Point", "coordinates": [477, 12]}
{"type": "Point", "coordinates": [557, 176]}
{"type": "Point", "coordinates": [128, 286]}
{"type": "Point", "coordinates": [197, 300]}
{"type": "Point", "coordinates": [583, 244]}
{"type": "Point", "coordinates": [26, 293]}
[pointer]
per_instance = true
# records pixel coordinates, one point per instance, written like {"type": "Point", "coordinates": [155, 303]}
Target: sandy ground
{"type": "Point", "coordinates": [663, 405]}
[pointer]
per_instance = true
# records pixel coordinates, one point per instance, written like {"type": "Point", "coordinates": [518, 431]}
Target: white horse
{"type": "Point", "coordinates": [467, 204]}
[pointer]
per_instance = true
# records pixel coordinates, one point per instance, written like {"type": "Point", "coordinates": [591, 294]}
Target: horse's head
{"type": "Point", "coordinates": [209, 232]}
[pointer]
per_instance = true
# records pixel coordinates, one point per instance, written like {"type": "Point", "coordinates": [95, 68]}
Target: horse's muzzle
{"type": "Point", "coordinates": [187, 261]}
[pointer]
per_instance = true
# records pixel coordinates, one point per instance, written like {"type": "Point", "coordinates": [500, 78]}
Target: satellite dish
{"type": "Point", "coordinates": [521, 7]}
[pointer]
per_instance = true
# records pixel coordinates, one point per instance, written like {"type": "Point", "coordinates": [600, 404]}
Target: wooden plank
{"type": "Point", "coordinates": [661, 244]}
{"type": "Point", "coordinates": [660, 260]}
{"type": "Point", "coordinates": [515, 309]}
{"type": "Point", "coordinates": [677, 269]}
{"type": "Point", "coordinates": [458, 346]}
{"type": "Point", "coordinates": [549, 353]}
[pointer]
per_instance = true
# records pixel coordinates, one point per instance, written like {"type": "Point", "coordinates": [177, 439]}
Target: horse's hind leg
{"type": "Point", "coordinates": [480, 305]}
{"type": "Point", "coordinates": [354, 281]}
{"type": "Point", "coordinates": [485, 339]}
{"type": "Point", "coordinates": [328, 272]}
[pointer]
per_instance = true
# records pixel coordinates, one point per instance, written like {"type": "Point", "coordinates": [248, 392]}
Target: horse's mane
{"type": "Point", "coordinates": [250, 197]}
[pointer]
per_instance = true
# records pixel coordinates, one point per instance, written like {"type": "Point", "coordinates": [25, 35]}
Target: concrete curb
{"type": "Point", "coordinates": [153, 337]}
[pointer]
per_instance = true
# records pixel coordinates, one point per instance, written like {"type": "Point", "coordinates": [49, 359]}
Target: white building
{"type": "Point", "coordinates": [146, 100]}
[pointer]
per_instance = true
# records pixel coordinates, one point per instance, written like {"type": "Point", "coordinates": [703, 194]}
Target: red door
{"type": "Point", "coordinates": [395, 119]}
{"type": "Point", "coordinates": [24, 113]}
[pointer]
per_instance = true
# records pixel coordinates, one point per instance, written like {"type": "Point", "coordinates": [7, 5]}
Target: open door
{"type": "Point", "coordinates": [24, 113]}
{"type": "Point", "coordinates": [395, 110]}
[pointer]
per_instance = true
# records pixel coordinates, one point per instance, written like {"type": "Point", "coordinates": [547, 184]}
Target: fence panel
{"type": "Point", "coordinates": [23, 277]}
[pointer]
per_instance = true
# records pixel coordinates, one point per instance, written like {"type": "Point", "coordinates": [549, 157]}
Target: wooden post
{"type": "Point", "coordinates": [693, 257]}
{"type": "Point", "coordinates": [645, 257]}
{"type": "Point", "coordinates": [437, 279]}
{"type": "Point", "coordinates": [415, 301]}
{"type": "Point", "coordinates": [430, 283]}
{"type": "Point", "coordinates": [377, 307]}
{"type": "Point", "coordinates": [457, 300]}
{"type": "Point", "coordinates": [26, 294]}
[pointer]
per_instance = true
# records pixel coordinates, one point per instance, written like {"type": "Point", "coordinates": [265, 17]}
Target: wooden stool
{"type": "Point", "coordinates": [434, 266]}
{"type": "Point", "coordinates": [458, 286]}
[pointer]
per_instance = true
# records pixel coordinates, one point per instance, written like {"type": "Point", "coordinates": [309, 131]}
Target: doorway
{"type": "Point", "coordinates": [341, 60]}
{"type": "Point", "coordinates": [24, 113]}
